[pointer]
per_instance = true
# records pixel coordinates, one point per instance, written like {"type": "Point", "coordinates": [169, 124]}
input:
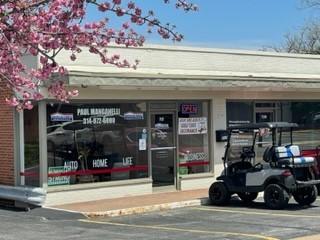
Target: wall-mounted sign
{"type": "Point", "coordinates": [96, 116]}
{"type": "Point", "coordinates": [98, 120]}
{"type": "Point", "coordinates": [198, 156]}
{"type": "Point", "coordinates": [161, 126]}
{"type": "Point", "coordinates": [189, 108]}
{"type": "Point", "coordinates": [192, 126]}
{"type": "Point", "coordinates": [100, 163]}
{"type": "Point", "coordinates": [59, 180]}
{"type": "Point", "coordinates": [127, 161]}
{"type": "Point", "coordinates": [106, 112]}
{"type": "Point", "coordinates": [142, 144]}
{"type": "Point", "coordinates": [232, 123]}
{"type": "Point", "coordinates": [240, 142]}
{"type": "Point", "coordinates": [133, 116]}
{"type": "Point", "coordinates": [71, 166]}
{"type": "Point", "coordinates": [61, 117]}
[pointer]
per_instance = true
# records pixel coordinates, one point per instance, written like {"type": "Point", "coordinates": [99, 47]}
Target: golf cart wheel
{"type": "Point", "coordinates": [276, 197]}
{"type": "Point", "coordinates": [248, 197]}
{"type": "Point", "coordinates": [306, 196]}
{"type": "Point", "coordinates": [318, 188]}
{"type": "Point", "coordinates": [219, 194]}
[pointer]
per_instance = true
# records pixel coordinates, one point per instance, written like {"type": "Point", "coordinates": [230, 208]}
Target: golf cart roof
{"type": "Point", "coordinates": [264, 125]}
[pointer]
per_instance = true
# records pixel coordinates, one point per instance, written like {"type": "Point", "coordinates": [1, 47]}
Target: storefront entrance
{"type": "Point", "coordinates": [165, 141]}
{"type": "Point", "coordinates": [163, 148]}
{"type": "Point", "coordinates": [266, 112]}
{"type": "Point", "coordinates": [265, 116]}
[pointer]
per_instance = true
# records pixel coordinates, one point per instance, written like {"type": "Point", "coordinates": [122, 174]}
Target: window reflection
{"type": "Point", "coordinates": [305, 113]}
{"type": "Point", "coordinates": [193, 152]}
{"type": "Point", "coordinates": [31, 147]}
{"type": "Point", "coordinates": [96, 142]}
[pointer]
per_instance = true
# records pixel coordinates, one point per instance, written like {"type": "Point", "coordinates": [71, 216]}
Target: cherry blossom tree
{"type": "Point", "coordinates": [46, 27]}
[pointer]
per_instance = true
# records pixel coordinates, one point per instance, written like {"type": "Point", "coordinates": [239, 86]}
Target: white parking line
{"type": "Point", "coordinates": [247, 235]}
{"type": "Point", "coordinates": [246, 212]}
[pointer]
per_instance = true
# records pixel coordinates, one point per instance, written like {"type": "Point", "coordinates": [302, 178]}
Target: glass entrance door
{"type": "Point", "coordinates": [265, 116]}
{"type": "Point", "coordinates": [163, 148]}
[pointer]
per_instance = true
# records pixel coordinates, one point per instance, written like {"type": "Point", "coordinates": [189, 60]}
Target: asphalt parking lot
{"type": "Point", "coordinates": [235, 221]}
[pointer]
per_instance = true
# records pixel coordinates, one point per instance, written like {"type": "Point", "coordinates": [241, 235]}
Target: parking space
{"type": "Point", "coordinates": [232, 222]}
{"type": "Point", "coordinates": [235, 221]}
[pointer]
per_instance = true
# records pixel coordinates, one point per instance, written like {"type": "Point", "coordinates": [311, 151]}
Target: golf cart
{"type": "Point", "coordinates": [262, 157]}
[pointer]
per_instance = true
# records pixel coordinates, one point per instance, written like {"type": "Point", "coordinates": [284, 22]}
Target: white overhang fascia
{"type": "Point", "coordinates": [184, 78]}
{"type": "Point", "coordinates": [201, 68]}
{"type": "Point", "coordinates": [185, 74]}
{"type": "Point", "coordinates": [196, 83]}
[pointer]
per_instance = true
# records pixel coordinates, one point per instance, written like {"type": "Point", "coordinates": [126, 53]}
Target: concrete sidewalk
{"type": "Point", "coordinates": [313, 237]}
{"type": "Point", "coordinates": [145, 203]}
{"type": "Point", "coordinates": [138, 204]}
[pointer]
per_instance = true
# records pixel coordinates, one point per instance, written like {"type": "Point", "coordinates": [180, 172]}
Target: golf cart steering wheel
{"type": "Point", "coordinates": [258, 166]}
{"type": "Point", "coordinates": [247, 153]}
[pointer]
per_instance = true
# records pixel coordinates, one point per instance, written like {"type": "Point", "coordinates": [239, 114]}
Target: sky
{"type": "Point", "coordinates": [244, 24]}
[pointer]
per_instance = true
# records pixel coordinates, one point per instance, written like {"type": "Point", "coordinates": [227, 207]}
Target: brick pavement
{"type": "Point", "coordinates": [135, 201]}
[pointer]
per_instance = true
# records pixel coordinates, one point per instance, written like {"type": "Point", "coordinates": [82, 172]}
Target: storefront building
{"type": "Point", "coordinates": [135, 131]}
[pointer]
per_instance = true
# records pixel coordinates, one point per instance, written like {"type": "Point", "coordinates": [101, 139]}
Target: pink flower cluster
{"type": "Point", "coordinates": [43, 28]}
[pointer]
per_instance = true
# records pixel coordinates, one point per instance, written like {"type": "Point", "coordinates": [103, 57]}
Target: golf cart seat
{"type": "Point", "coordinates": [269, 154]}
{"type": "Point", "coordinates": [290, 156]}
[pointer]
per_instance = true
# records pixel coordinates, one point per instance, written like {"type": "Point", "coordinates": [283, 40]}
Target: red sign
{"type": "Point", "coordinates": [189, 108]}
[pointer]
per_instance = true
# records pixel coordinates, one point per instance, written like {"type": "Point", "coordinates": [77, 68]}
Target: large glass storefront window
{"type": "Point", "coordinates": [193, 152]}
{"type": "Point", "coordinates": [305, 113]}
{"type": "Point", "coordinates": [96, 142]}
{"type": "Point", "coordinates": [31, 147]}
{"type": "Point", "coordinates": [239, 112]}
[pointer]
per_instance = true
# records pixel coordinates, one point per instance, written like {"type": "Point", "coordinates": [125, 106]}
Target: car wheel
{"type": "Point", "coordinates": [306, 196]}
{"type": "Point", "coordinates": [219, 194]}
{"type": "Point", "coordinates": [248, 197]}
{"type": "Point", "coordinates": [275, 196]}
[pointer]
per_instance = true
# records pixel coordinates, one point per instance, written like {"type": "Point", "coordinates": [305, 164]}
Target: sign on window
{"type": "Point", "coordinates": [192, 126]}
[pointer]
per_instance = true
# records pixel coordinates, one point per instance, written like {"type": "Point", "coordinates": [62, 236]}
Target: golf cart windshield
{"type": "Point", "coordinates": [248, 142]}
{"type": "Point", "coordinates": [238, 141]}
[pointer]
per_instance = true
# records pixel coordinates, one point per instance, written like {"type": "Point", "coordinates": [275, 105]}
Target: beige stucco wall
{"type": "Point", "coordinates": [193, 61]}
{"type": "Point", "coordinates": [96, 191]}
{"type": "Point", "coordinates": [192, 68]}
{"type": "Point", "coordinates": [172, 68]}
{"type": "Point", "coordinates": [171, 73]}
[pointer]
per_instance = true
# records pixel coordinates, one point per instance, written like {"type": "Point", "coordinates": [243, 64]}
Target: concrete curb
{"type": "Point", "coordinates": [145, 209]}
{"type": "Point", "coordinates": [312, 237]}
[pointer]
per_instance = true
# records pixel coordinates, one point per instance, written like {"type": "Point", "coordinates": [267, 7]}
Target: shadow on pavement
{"type": "Point", "coordinates": [13, 209]}
{"type": "Point", "coordinates": [8, 207]}
{"type": "Point", "coordinates": [237, 203]}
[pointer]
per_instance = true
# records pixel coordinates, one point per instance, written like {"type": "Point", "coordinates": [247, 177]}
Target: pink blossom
{"type": "Point", "coordinates": [104, 7]}
{"type": "Point", "coordinates": [44, 28]}
{"type": "Point", "coordinates": [118, 2]}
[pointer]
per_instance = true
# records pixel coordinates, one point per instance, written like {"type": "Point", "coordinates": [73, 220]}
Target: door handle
{"type": "Point", "coordinates": [163, 148]}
